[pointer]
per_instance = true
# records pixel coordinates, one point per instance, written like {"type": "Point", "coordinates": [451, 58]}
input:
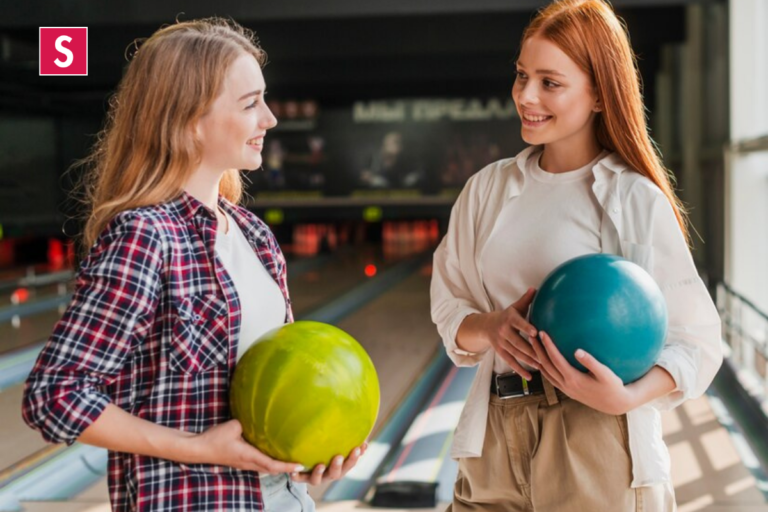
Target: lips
{"type": "Point", "coordinates": [256, 142]}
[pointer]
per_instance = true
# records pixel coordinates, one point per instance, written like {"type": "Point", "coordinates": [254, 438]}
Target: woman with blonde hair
{"type": "Point", "coordinates": [536, 434]}
{"type": "Point", "coordinates": [178, 281]}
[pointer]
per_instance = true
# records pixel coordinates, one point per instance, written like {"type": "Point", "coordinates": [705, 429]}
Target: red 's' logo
{"type": "Point", "coordinates": [63, 51]}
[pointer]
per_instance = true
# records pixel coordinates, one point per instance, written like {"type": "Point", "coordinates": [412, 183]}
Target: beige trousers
{"type": "Point", "coordinates": [548, 453]}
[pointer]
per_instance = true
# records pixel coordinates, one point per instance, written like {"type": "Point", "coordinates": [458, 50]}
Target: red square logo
{"type": "Point", "coordinates": [63, 51]}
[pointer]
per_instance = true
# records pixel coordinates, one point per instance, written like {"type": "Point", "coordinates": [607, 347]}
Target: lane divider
{"type": "Point", "coordinates": [35, 281]}
{"type": "Point", "coordinates": [420, 467]}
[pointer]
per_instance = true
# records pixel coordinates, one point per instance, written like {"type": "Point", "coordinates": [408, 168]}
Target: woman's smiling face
{"type": "Point", "coordinates": [555, 98]}
{"type": "Point", "coordinates": [232, 131]}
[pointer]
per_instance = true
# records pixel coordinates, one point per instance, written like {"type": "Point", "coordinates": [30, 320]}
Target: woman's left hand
{"type": "Point", "coordinates": [600, 389]}
{"type": "Point", "coordinates": [337, 469]}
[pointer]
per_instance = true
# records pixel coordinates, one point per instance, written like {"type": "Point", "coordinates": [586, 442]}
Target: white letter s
{"type": "Point", "coordinates": [65, 51]}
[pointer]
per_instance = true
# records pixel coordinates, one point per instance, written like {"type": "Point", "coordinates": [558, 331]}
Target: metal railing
{"type": "Point", "coordinates": [32, 279]}
{"type": "Point", "coordinates": [745, 331]}
{"type": "Point", "coordinates": [26, 288]}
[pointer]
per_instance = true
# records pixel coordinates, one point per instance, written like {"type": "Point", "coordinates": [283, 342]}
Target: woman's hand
{"type": "Point", "coordinates": [600, 389]}
{"type": "Point", "coordinates": [224, 445]}
{"type": "Point", "coordinates": [337, 469]}
{"type": "Point", "coordinates": [503, 330]}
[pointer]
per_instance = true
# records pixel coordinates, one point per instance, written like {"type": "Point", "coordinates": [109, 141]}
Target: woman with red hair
{"type": "Point", "coordinates": [536, 434]}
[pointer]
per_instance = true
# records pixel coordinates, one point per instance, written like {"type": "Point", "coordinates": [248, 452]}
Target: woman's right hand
{"type": "Point", "coordinates": [503, 331]}
{"type": "Point", "coordinates": [224, 445]}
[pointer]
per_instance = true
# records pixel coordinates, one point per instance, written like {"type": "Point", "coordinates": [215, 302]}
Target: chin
{"type": "Point", "coordinates": [531, 139]}
{"type": "Point", "coordinates": [252, 164]}
{"type": "Point", "coordinates": [537, 139]}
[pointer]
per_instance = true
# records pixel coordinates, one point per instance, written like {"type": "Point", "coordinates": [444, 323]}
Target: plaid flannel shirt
{"type": "Point", "coordinates": [152, 328]}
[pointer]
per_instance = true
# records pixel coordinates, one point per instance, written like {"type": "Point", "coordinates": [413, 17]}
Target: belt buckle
{"type": "Point", "coordinates": [517, 394]}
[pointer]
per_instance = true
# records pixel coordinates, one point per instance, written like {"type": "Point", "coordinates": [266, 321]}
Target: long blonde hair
{"type": "Point", "coordinates": [589, 32]}
{"type": "Point", "coordinates": [147, 149]}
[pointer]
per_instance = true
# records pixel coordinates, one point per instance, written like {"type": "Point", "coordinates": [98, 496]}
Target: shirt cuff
{"type": "Point", "coordinates": [674, 397]}
{"type": "Point", "coordinates": [70, 416]}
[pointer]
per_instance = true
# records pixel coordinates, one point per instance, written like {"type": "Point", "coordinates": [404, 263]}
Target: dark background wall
{"type": "Point", "coordinates": [333, 52]}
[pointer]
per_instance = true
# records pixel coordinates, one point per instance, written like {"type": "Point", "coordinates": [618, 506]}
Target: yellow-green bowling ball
{"type": "Point", "coordinates": [305, 392]}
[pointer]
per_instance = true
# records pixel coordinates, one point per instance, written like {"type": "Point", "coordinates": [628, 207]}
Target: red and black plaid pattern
{"type": "Point", "coordinates": [152, 328]}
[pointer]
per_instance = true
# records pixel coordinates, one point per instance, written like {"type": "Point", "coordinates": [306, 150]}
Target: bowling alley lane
{"type": "Point", "coordinates": [338, 274]}
{"type": "Point", "coordinates": [311, 286]}
{"type": "Point", "coordinates": [394, 328]}
{"type": "Point", "coordinates": [30, 330]}
{"type": "Point", "coordinates": [18, 441]}
{"type": "Point", "coordinates": [397, 332]}
{"type": "Point", "coordinates": [710, 470]}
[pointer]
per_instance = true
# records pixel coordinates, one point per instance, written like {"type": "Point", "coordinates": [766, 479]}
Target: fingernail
{"type": "Point", "coordinates": [338, 462]}
{"type": "Point", "coordinates": [357, 452]}
{"type": "Point", "coordinates": [299, 469]}
{"type": "Point", "coordinates": [580, 353]}
{"type": "Point", "coordinates": [294, 475]}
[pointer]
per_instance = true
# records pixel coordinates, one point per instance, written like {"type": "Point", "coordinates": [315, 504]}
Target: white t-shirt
{"type": "Point", "coordinates": [555, 218]}
{"type": "Point", "coordinates": [262, 305]}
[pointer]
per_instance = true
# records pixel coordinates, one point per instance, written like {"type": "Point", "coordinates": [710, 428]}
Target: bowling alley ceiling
{"type": "Point", "coordinates": [332, 51]}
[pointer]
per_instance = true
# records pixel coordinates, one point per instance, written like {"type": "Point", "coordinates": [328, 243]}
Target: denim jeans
{"type": "Point", "coordinates": [281, 494]}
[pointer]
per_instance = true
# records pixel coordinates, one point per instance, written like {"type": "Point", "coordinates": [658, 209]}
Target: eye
{"type": "Point", "coordinates": [253, 105]}
{"type": "Point", "coordinates": [549, 84]}
{"type": "Point", "coordinates": [520, 75]}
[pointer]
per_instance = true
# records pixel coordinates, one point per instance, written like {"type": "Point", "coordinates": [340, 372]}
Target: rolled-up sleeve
{"type": "Point", "coordinates": [692, 353]}
{"type": "Point", "coordinates": [452, 299]}
{"type": "Point", "coordinates": [114, 302]}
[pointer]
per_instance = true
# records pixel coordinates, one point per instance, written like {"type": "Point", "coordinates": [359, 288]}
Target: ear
{"type": "Point", "coordinates": [598, 107]}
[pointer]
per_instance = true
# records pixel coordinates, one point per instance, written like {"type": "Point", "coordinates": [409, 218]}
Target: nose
{"type": "Point", "coordinates": [268, 120]}
{"type": "Point", "coordinates": [527, 93]}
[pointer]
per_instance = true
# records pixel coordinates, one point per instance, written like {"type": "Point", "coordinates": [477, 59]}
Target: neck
{"type": "Point", "coordinates": [564, 156]}
{"type": "Point", "coordinates": [203, 185]}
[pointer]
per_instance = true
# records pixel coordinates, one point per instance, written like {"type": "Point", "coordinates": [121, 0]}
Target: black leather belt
{"type": "Point", "coordinates": [511, 385]}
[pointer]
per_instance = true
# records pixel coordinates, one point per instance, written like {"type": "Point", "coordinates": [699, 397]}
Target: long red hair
{"type": "Point", "coordinates": [591, 34]}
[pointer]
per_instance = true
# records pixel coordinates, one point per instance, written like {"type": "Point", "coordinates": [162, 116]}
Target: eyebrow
{"type": "Point", "coordinates": [544, 71]}
{"type": "Point", "coordinates": [252, 93]}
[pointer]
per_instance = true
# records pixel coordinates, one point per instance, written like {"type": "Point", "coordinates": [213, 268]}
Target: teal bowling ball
{"type": "Point", "coordinates": [606, 305]}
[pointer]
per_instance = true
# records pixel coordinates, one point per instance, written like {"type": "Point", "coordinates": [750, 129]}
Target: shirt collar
{"type": "Point", "coordinates": [188, 206]}
{"type": "Point", "coordinates": [252, 228]}
{"type": "Point", "coordinates": [612, 162]}
{"type": "Point", "coordinates": [603, 169]}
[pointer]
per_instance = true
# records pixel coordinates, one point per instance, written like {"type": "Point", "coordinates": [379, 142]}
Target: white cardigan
{"type": "Point", "coordinates": [639, 224]}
